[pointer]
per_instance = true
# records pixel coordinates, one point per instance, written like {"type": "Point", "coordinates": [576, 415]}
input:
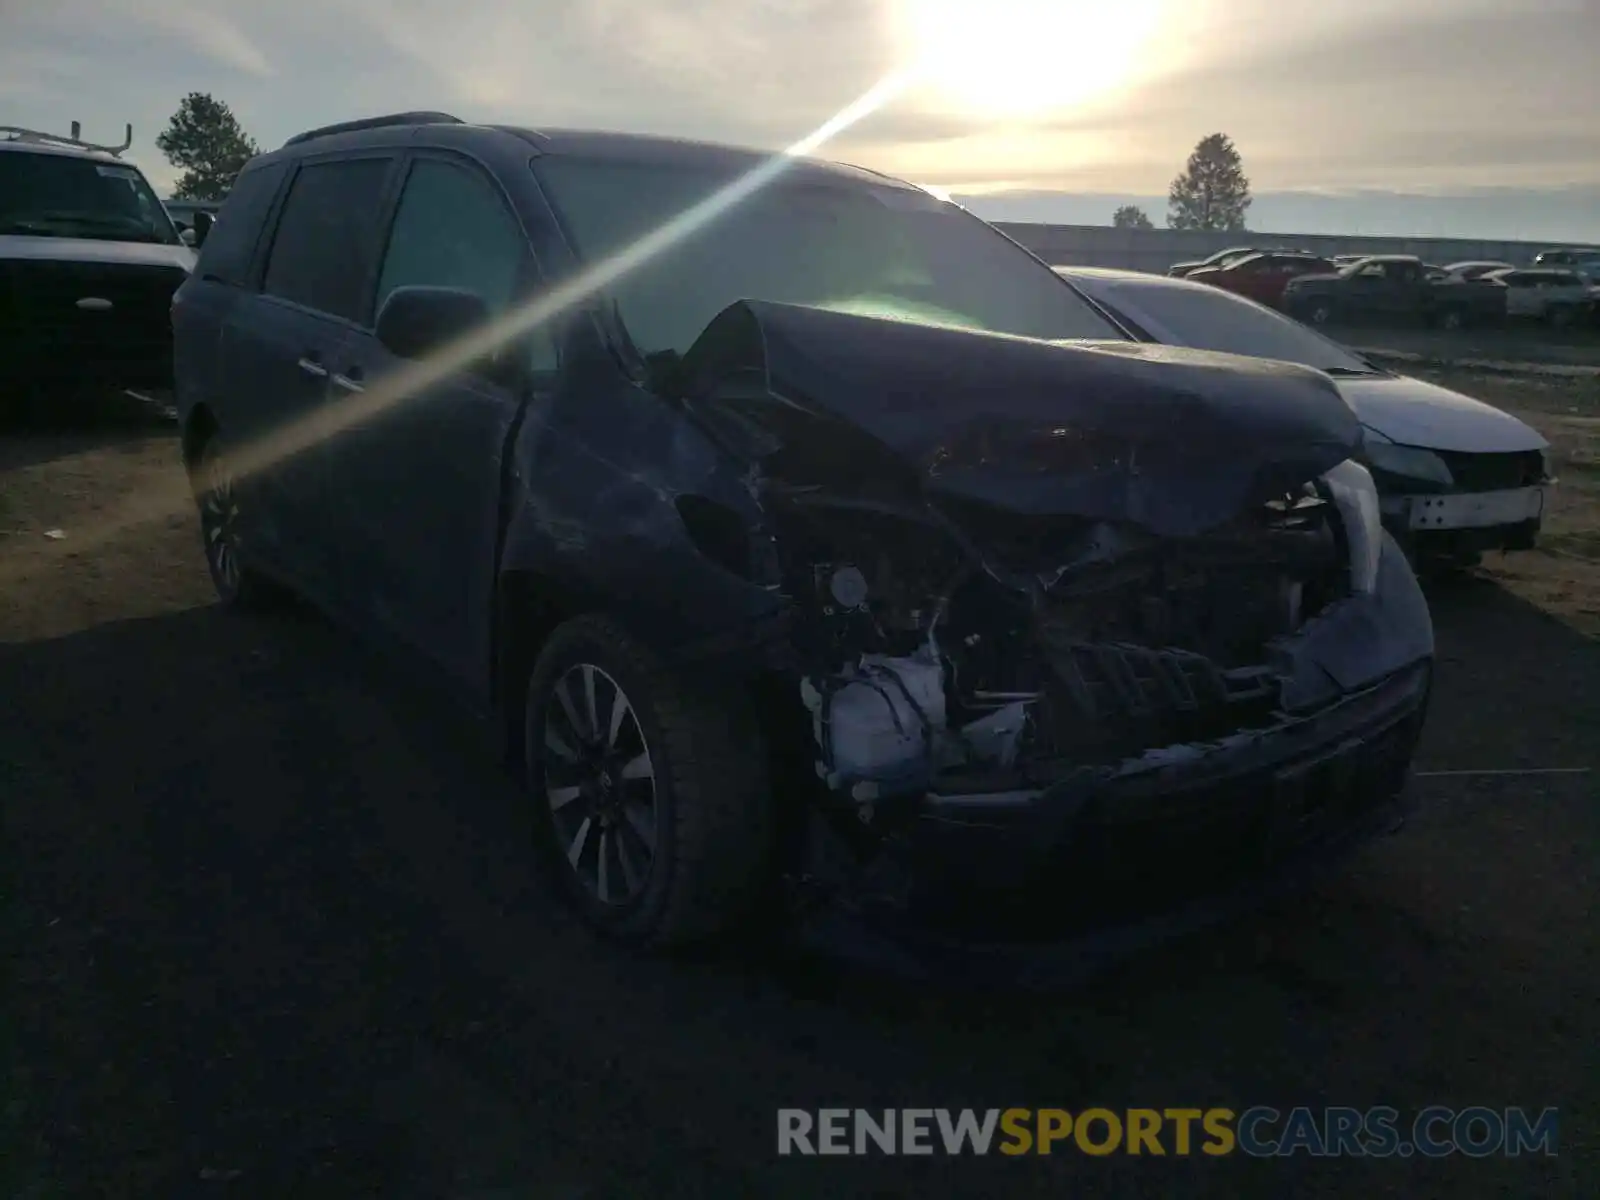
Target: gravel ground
{"type": "Point", "coordinates": [273, 932]}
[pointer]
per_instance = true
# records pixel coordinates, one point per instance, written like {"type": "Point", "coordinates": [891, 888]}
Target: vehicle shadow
{"type": "Point", "coordinates": [1515, 686]}
{"type": "Point", "coordinates": [274, 915]}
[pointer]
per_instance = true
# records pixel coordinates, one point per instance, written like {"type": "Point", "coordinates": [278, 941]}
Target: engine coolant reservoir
{"type": "Point", "coordinates": [883, 724]}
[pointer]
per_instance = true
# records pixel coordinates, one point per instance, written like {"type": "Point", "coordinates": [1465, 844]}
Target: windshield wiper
{"type": "Point", "coordinates": [1346, 372]}
{"type": "Point", "coordinates": [36, 228]}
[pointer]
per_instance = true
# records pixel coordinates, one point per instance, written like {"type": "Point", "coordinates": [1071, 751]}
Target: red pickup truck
{"type": "Point", "coordinates": [1263, 276]}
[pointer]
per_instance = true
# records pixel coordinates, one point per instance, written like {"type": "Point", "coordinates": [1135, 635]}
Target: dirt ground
{"type": "Point", "coordinates": [1517, 341]}
{"type": "Point", "coordinates": [272, 929]}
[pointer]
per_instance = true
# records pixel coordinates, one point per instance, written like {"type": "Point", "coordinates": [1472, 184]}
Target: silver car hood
{"type": "Point", "coordinates": [1416, 413]}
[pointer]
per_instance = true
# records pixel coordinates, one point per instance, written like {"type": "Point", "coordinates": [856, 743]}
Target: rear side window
{"type": "Point", "coordinates": [452, 229]}
{"type": "Point", "coordinates": [231, 244]}
{"type": "Point", "coordinates": [322, 255]}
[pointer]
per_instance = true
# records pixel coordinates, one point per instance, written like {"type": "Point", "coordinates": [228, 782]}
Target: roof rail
{"type": "Point", "coordinates": [403, 118]}
{"type": "Point", "coordinates": [39, 136]}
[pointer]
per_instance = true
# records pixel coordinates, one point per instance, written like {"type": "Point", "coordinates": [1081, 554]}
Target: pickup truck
{"type": "Point", "coordinates": [1393, 289]}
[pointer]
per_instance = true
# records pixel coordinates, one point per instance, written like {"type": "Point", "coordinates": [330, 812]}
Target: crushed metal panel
{"type": "Point", "coordinates": [1175, 441]}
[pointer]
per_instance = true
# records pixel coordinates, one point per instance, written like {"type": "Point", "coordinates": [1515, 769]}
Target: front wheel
{"type": "Point", "coordinates": [216, 495]}
{"type": "Point", "coordinates": [1320, 312]}
{"type": "Point", "coordinates": [1451, 320]}
{"type": "Point", "coordinates": [650, 791]}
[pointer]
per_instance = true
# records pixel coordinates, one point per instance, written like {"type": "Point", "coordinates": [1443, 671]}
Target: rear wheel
{"type": "Point", "coordinates": [1320, 312]}
{"type": "Point", "coordinates": [650, 791]}
{"type": "Point", "coordinates": [1451, 319]}
{"type": "Point", "coordinates": [216, 495]}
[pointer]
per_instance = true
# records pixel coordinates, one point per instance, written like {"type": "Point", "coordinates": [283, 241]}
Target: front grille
{"type": "Point", "coordinates": [1494, 472]}
{"type": "Point", "coordinates": [1106, 702]}
{"type": "Point", "coordinates": [45, 335]}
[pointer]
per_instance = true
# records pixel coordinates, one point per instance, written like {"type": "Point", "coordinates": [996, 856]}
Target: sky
{"type": "Point", "coordinates": [1472, 118]}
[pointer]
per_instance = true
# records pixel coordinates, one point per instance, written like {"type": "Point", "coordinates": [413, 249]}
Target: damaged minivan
{"type": "Point", "coordinates": [834, 552]}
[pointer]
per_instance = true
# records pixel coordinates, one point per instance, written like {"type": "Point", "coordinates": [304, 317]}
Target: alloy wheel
{"type": "Point", "coordinates": [600, 784]}
{"type": "Point", "coordinates": [219, 522]}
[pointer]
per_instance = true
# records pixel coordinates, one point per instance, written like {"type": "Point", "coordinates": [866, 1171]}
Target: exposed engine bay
{"type": "Point", "coordinates": [1060, 642]}
{"type": "Point", "coordinates": [1113, 556]}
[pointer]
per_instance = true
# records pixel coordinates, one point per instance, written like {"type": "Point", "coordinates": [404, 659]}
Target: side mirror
{"type": "Point", "coordinates": [188, 236]}
{"type": "Point", "coordinates": [203, 221]}
{"type": "Point", "coordinates": [416, 321]}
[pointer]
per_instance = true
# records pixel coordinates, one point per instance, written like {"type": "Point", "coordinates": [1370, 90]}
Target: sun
{"type": "Point", "coordinates": [1023, 58]}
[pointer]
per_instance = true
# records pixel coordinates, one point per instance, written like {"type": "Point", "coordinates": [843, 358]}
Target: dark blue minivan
{"type": "Point", "coordinates": [803, 537]}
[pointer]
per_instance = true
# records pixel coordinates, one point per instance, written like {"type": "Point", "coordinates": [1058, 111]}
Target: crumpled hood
{"type": "Point", "coordinates": [95, 250]}
{"type": "Point", "coordinates": [1414, 412]}
{"type": "Point", "coordinates": [1177, 441]}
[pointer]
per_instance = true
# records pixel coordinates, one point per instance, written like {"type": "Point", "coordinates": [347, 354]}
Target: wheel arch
{"type": "Point", "coordinates": [529, 606]}
{"type": "Point", "coordinates": [198, 429]}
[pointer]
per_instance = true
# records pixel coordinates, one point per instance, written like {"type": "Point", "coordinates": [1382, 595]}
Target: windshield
{"type": "Point", "coordinates": [1212, 319]}
{"type": "Point", "coordinates": [58, 195]}
{"type": "Point", "coordinates": [852, 247]}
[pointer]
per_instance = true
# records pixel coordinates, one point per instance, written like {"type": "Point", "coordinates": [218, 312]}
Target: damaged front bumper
{"type": "Point", "coordinates": [1034, 887]}
{"type": "Point", "coordinates": [1458, 524]}
{"type": "Point", "coordinates": [1017, 885]}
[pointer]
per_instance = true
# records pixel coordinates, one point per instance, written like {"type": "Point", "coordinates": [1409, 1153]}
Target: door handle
{"type": "Point", "coordinates": [345, 384]}
{"type": "Point", "coordinates": [313, 368]}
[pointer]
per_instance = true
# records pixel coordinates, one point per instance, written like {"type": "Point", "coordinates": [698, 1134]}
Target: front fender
{"type": "Point", "coordinates": [596, 506]}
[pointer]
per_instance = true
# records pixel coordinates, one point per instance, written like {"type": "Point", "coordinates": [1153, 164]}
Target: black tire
{"type": "Point", "coordinates": [1320, 312]}
{"type": "Point", "coordinates": [216, 497]}
{"type": "Point", "coordinates": [709, 802]}
{"type": "Point", "coordinates": [1451, 320]}
{"type": "Point", "coordinates": [1562, 316]}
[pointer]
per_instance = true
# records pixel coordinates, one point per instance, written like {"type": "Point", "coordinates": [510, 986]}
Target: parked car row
{"type": "Point", "coordinates": [1393, 289]}
{"type": "Point", "coordinates": [1586, 261]}
{"type": "Point", "coordinates": [1399, 289]}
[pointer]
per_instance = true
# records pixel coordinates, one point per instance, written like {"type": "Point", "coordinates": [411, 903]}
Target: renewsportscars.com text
{"type": "Point", "coordinates": [1260, 1132]}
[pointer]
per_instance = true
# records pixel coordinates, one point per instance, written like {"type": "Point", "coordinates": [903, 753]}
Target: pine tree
{"type": "Point", "coordinates": [1212, 192]}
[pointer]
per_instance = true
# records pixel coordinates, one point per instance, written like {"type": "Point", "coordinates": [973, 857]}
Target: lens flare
{"type": "Point", "coordinates": [416, 377]}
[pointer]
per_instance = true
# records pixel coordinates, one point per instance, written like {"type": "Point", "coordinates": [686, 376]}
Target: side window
{"type": "Point", "coordinates": [325, 244]}
{"type": "Point", "coordinates": [231, 244]}
{"type": "Point", "coordinates": [453, 229]}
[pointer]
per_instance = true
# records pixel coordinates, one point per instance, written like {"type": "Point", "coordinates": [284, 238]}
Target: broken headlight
{"type": "Point", "coordinates": [1410, 463]}
{"type": "Point", "coordinates": [1356, 497]}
